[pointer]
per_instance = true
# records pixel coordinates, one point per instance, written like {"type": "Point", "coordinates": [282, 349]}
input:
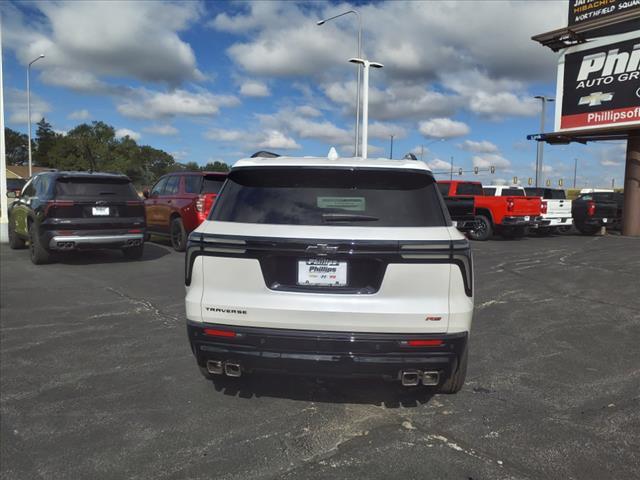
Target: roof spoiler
{"type": "Point", "coordinates": [264, 154]}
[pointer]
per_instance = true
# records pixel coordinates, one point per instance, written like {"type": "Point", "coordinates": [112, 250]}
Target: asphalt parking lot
{"type": "Point", "coordinates": [98, 381]}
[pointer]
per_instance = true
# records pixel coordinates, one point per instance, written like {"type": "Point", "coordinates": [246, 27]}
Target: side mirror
{"type": "Point", "coordinates": [145, 193]}
{"type": "Point", "coordinates": [13, 194]}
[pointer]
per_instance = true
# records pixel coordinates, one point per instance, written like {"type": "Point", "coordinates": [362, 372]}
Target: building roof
{"type": "Point", "coordinates": [22, 171]}
{"type": "Point", "coordinates": [326, 162]}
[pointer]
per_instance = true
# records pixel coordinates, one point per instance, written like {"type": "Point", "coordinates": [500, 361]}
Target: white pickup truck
{"type": "Point", "coordinates": [558, 212]}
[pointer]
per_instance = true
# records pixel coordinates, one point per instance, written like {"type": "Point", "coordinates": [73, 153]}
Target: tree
{"type": "Point", "coordinates": [192, 167]}
{"type": "Point", "coordinates": [45, 140]}
{"type": "Point", "coordinates": [216, 167]}
{"type": "Point", "coordinates": [16, 147]}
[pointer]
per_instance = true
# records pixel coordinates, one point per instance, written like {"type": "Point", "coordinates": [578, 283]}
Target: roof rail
{"type": "Point", "coordinates": [264, 154]}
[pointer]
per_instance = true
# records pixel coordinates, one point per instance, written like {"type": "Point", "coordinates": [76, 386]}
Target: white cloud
{"type": "Point", "coordinates": [149, 104]}
{"type": "Point", "coordinates": [180, 155]}
{"type": "Point", "coordinates": [125, 132]}
{"type": "Point", "coordinates": [483, 146]}
{"type": "Point", "coordinates": [278, 140]}
{"type": "Point", "coordinates": [162, 129]}
{"type": "Point", "coordinates": [282, 39]}
{"type": "Point", "coordinates": [491, 160]}
{"type": "Point", "coordinates": [610, 163]}
{"type": "Point", "coordinates": [439, 165]}
{"type": "Point", "coordinates": [253, 88]}
{"type": "Point", "coordinates": [85, 40]}
{"type": "Point", "coordinates": [79, 115]}
{"type": "Point", "coordinates": [16, 105]}
{"type": "Point", "coordinates": [398, 101]}
{"type": "Point", "coordinates": [223, 135]}
{"type": "Point", "coordinates": [288, 120]}
{"type": "Point", "coordinates": [443, 128]}
{"type": "Point", "coordinates": [383, 131]}
{"type": "Point", "coordinates": [308, 111]}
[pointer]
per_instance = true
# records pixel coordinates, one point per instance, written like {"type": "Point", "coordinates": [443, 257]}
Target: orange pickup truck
{"type": "Point", "coordinates": [509, 216]}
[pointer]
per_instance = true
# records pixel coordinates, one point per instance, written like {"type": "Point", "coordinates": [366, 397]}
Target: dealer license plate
{"type": "Point", "coordinates": [526, 219]}
{"type": "Point", "coordinates": [322, 272]}
{"type": "Point", "coordinates": [100, 211]}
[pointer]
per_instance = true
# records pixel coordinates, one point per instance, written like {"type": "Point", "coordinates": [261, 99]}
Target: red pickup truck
{"type": "Point", "coordinates": [508, 216]}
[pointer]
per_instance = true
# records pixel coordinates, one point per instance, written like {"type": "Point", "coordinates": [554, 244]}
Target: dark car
{"type": "Point", "coordinates": [591, 211]}
{"type": "Point", "coordinates": [15, 184]}
{"type": "Point", "coordinates": [61, 211]}
{"type": "Point", "coordinates": [179, 202]}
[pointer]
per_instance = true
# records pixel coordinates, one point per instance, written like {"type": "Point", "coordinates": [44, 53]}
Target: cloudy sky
{"type": "Point", "coordinates": [220, 80]}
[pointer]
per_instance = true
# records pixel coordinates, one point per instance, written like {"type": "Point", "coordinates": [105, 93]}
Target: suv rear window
{"type": "Point", "coordinates": [95, 187]}
{"type": "Point", "coordinates": [211, 184]}
{"type": "Point", "coordinates": [469, 189]}
{"type": "Point", "coordinates": [330, 196]}
{"type": "Point", "coordinates": [512, 192]}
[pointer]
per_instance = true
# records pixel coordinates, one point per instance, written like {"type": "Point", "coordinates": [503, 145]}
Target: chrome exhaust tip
{"type": "Point", "coordinates": [232, 369]}
{"type": "Point", "coordinates": [410, 378]}
{"type": "Point", "coordinates": [214, 367]}
{"type": "Point", "coordinates": [430, 379]}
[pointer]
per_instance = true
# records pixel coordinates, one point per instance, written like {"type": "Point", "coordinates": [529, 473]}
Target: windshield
{"type": "Point", "coordinates": [211, 184]}
{"type": "Point", "coordinates": [330, 196]}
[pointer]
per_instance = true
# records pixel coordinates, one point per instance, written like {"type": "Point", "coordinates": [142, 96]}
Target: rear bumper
{"type": "Point", "coordinates": [94, 240]}
{"type": "Point", "coordinates": [557, 222]}
{"type": "Point", "coordinates": [325, 353]}
{"type": "Point", "coordinates": [521, 221]}
{"type": "Point", "coordinates": [465, 224]}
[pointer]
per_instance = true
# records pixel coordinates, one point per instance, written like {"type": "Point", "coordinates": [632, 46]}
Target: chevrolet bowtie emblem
{"type": "Point", "coordinates": [596, 98]}
{"type": "Point", "coordinates": [322, 249]}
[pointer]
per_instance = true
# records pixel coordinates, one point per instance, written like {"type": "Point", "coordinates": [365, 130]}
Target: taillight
{"type": "Point", "coordinates": [510, 204]}
{"type": "Point", "coordinates": [203, 206]}
{"type": "Point", "coordinates": [424, 343]}
{"type": "Point", "coordinates": [219, 333]}
{"type": "Point", "coordinates": [591, 208]}
{"type": "Point", "coordinates": [200, 203]}
{"type": "Point", "coordinates": [543, 209]}
{"type": "Point", "coordinates": [57, 204]}
{"type": "Point", "coordinates": [135, 230]}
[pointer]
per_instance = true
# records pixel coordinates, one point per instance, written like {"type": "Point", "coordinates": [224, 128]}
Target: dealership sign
{"type": "Point", "coordinates": [599, 84]}
{"type": "Point", "coordinates": [581, 11]}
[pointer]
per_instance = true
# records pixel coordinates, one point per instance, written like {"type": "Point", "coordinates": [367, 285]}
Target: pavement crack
{"type": "Point", "coordinates": [143, 305]}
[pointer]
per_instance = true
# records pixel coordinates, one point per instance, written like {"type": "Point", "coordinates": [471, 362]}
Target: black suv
{"type": "Point", "coordinates": [59, 211]}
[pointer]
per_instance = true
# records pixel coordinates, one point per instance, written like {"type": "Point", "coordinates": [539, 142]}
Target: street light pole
{"type": "Point", "coordinates": [575, 171]}
{"type": "Point", "coordinates": [391, 149]}
{"type": "Point", "coordinates": [365, 100]}
{"type": "Point", "coordinates": [540, 150]}
{"type": "Point", "coordinates": [358, 85]}
{"type": "Point", "coordinates": [29, 104]}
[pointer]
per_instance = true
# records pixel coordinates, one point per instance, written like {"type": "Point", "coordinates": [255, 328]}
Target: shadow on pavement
{"type": "Point", "coordinates": [326, 390]}
{"type": "Point", "coordinates": [91, 257]}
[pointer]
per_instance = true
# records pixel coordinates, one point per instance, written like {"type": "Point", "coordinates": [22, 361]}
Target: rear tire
{"type": "Point", "coordinates": [178, 235]}
{"type": "Point", "coordinates": [455, 382]}
{"type": "Point", "coordinates": [483, 230]}
{"type": "Point", "coordinates": [587, 229]}
{"type": "Point", "coordinates": [133, 253]}
{"type": "Point", "coordinates": [39, 254]}
{"type": "Point", "coordinates": [15, 242]}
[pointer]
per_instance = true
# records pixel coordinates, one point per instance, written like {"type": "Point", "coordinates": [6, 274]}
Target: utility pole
{"type": "Point", "coordinates": [391, 149]}
{"type": "Point", "coordinates": [29, 104]}
{"type": "Point", "coordinates": [451, 176]}
{"type": "Point", "coordinates": [575, 171]}
{"type": "Point", "coordinates": [540, 151]}
{"type": "Point", "coordinates": [421, 153]}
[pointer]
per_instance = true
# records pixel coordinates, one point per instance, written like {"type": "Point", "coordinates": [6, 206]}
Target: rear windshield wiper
{"type": "Point", "coordinates": [348, 217]}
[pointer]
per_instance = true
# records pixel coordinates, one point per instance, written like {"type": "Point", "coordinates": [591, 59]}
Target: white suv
{"type": "Point", "coordinates": [330, 267]}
